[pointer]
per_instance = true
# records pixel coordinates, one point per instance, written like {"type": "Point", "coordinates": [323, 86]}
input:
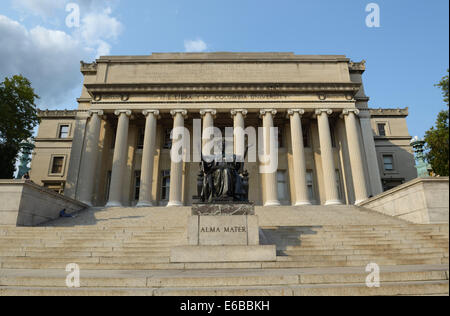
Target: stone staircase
{"type": "Point", "coordinates": [126, 252]}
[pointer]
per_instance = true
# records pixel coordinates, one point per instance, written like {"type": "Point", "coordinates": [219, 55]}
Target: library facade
{"type": "Point", "coordinates": [115, 149]}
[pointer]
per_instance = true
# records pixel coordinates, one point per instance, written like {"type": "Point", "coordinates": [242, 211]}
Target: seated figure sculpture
{"type": "Point", "coordinates": [222, 180]}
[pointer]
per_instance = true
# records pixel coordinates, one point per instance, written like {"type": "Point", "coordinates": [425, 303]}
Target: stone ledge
{"type": "Point", "coordinates": [208, 254]}
{"type": "Point", "coordinates": [227, 209]}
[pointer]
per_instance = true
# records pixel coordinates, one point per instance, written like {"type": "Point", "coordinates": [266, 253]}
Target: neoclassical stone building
{"type": "Point", "coordinates": [115, 148]}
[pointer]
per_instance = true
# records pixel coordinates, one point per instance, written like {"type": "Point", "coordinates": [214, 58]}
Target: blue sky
{"type": "Point", "coordinates": [405, 57]}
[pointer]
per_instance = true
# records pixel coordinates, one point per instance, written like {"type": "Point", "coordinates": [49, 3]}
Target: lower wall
{"type": "Point", "coordinates": [421, 201]}
{"type": "Point", "coordinates": [23, 203]}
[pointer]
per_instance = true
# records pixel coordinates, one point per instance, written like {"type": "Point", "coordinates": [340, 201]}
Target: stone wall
{"type": "Point", "coordinates": [23, 203]}
{"type": "Point", "coordinates": [421, 201]}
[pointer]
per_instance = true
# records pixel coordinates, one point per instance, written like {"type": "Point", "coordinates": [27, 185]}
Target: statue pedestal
{"type": "Point", "coordinates": [223, 233]}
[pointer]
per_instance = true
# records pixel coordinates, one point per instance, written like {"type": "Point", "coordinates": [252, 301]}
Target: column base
{"type": "Point", "coordinates": [272, 203]}
{"type": "Point", "coordinates": [174, 203]}
{"type": "Point", "coordinates": [144, 204]}
{"type": "Point", "coordinates": [113, 204]}
{"type": "Point", "coordinates": [304, 203]}
{"type": "Point", "coordinates": [333, 202]}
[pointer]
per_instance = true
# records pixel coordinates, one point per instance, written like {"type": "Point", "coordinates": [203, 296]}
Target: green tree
{"type": "Point", "coordinates": [437, 138]}
{"type": "Point", "coordinates": [18, 117]}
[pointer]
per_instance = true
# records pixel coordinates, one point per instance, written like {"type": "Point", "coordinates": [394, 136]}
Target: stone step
{"type": "Point", "coordinates": [391, 289]}
{"type": "Point", "coordinates": [301, 252]}
{"type": "Point", "coordinates": [365, 246]}
{"type": "Point", "coordinates": [372, 258]}
{"type": "Point", "coordinates": [281, 264]}
{"type": "Point", "coordinates": [148, 279]}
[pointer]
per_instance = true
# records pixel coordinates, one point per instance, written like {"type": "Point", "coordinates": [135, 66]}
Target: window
{"type": "Point", "coordinates": [282, 185]}
{"type": "Point", "coordinates": [389, 184]}
{"type": "Point", "coordinates": [310, 184]}
{"type": "Point", "coordinates": [381, 129]}
{"type": "Point", "coordinates": [57, 187]}
{"type": "Point", "coordinates": [280, 137]}
{"type": "Point", "coordinates": [338, 183]}
{"type": "Point", "coordinates": [137, 184]}
{"type": "Point", "coordinates": [305, 130]}
{"type": "Point", "coordinates": [167, 140]}
{"type": "Point", "coordinates": [388, 162]}
{"type": "Point", "coordinates": [113, 138]}
{"type": "Point", "coordinates": [108, 184]}
{"type": "Point", "coordinates": [63, 131]}
{"type": "Point", "coordinates": [141, 135]}
{"type": "Point", "coordinates": [165, 185]}
{"type": "Point", "coordinates": [333, 136]}
{"type": "Point", "coordinates": [57, 165]}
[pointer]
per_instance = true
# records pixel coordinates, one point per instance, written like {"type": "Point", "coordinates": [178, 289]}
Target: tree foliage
{"type": "Point", "coordinates": [18, 117]}
{"type": "Point", "coordinates": [437, 138]}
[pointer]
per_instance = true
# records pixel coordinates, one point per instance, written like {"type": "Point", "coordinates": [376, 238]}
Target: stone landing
{"type": "Point", "coordinates": [223, 233]}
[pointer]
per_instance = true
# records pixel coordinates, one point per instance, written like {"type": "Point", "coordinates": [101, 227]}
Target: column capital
{"type": "Point", "coordinates": [178, 111]}
{"type": "Point", "coordinates": [267, 111]}
{"type": "Point", "coordinates": [203, 112]}
{"type": "Point", "coordinates": [126, 112]}
{"type": "Point", "coordinates": [147, 112]}
{"type": "Point", "coordinates": [291, 112]}
{"type": "Point", "coordinates": [320, 111]}
{"type": "Point", "coordinates": [234, 112]}
{"type": "Point", "coordinates": [97, 112]}
{"type": "Point", "coordinates": [348, 111]}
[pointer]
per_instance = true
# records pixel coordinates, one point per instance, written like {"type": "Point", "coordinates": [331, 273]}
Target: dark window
{"type": "Point", "coordinates": [57, 166]}
{"type": "Point", "coordinates": [333, 136]}
{"type": "Point", "coordinates": [141, 135]}
{"type": "Point", "coordinates": [280, 137]}
{"type": "Point", "coordinates": [305, 130]}
{"type": "Point", "coordinates": [113, 138]}
{"type": "Point", "coordinates": [63, 131]}
{"type": "Point", "coordinates": [108, 184]}
{"type": "Point", "coordinates": [382, 129]}
{"type": "Point", "coordinates": [388, 162]}
{"type": "Point", "coordinates": [389, 184]}
{"type": "Point", "coordinates": [137, 184]}
{"type": "Point", "coordinates": [167, 140]}
{"type": "Point", "coordinates": [165, 185]}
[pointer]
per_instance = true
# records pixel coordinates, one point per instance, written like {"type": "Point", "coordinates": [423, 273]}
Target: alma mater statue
{"type": "Point", "coordinates": [222, 180]}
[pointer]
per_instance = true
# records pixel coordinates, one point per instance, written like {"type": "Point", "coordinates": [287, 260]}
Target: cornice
{"type": "Point", "coordinates": [98, 88]}
{"type": "Point", "coordinates": [389, 112]}
{"type": "Point", "coordinates": [57, 113]}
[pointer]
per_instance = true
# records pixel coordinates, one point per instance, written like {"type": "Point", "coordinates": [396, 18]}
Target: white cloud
{"type": "Point", "coordinates": [44, 8]}
{"type": "Point", "coordinates": [49, 58]}
{"type": "Point", "coordinates": [195, 46]}
{"type": "Point", "coordinates": [100, 25]}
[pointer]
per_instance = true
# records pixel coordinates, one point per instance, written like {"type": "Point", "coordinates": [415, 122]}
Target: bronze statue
{"type": "Point", "coordinates": [222, 180]}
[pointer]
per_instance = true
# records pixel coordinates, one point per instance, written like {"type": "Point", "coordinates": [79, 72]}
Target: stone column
{"type": "Point", "coordinates": [270, 178]}
{"type": "Point", "coordinates": [326, 153]}
{"type": "Point", "coordinates": [355, 152]}
{"type": "Point", "coordinates": [148, 153]}
{"type": "Point", "coordinates": [298, 152]}
{"type": "Point", "coordinates": [371, 153]}
{"type": "Point", "coordinates": [119, 159]}
{"type": "Point", "coordinates": [239, 127]}
{"type": "Point", "coordinates": [90, 156]}
{"type": "Point", "coordinates": [208, 122]}
{"type": "Point", "coordinates": [176, 168]}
